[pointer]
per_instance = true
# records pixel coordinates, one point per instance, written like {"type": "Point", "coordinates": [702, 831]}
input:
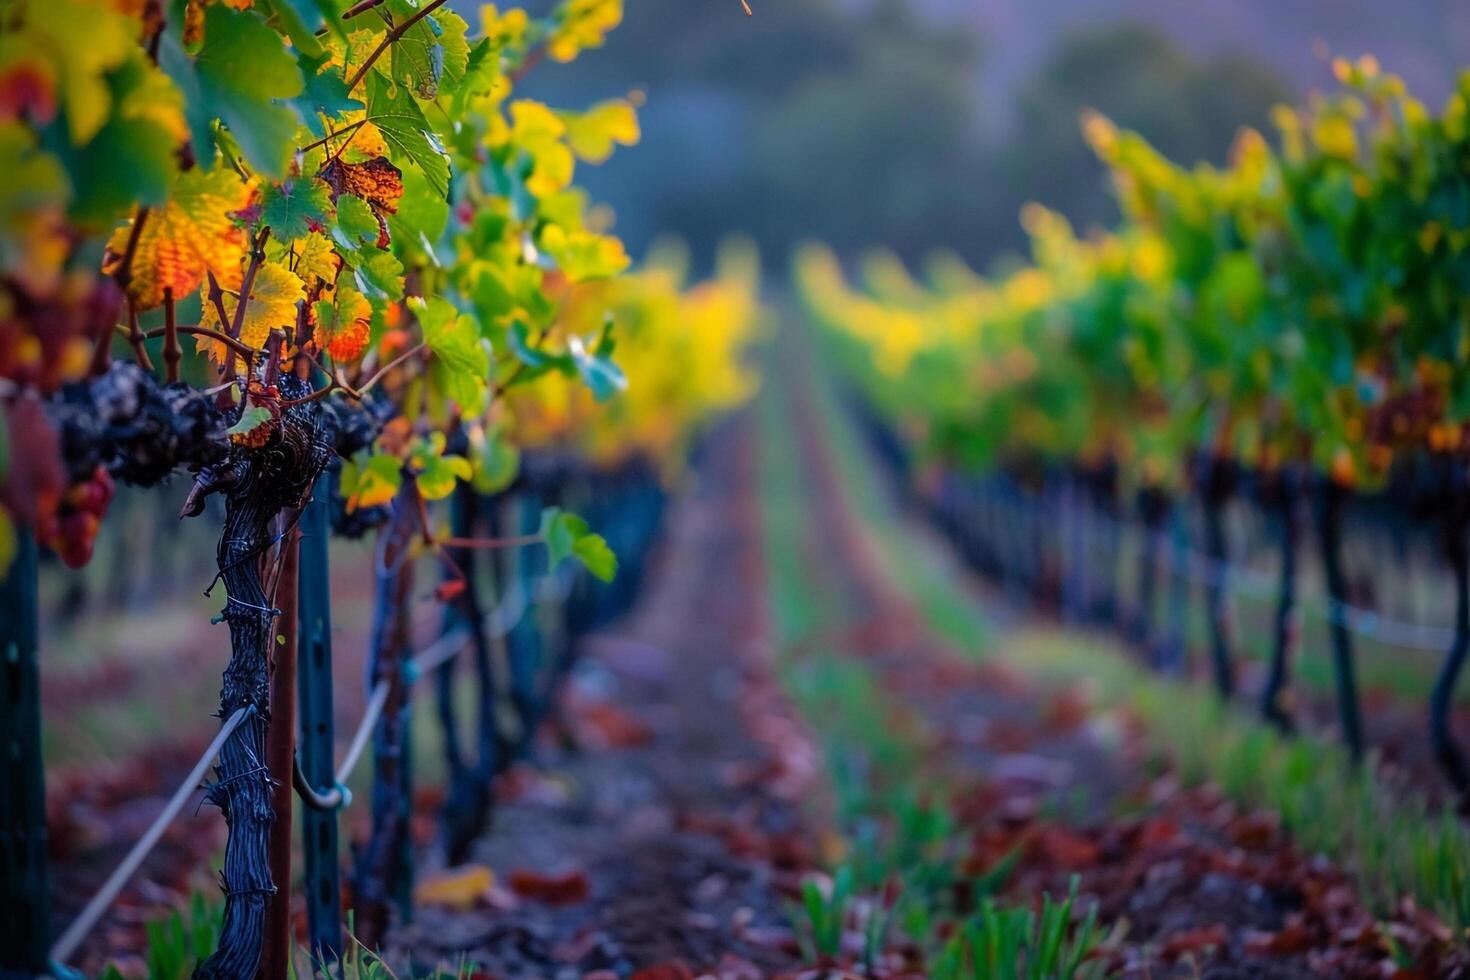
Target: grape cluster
{"type": "Point", "coordinates": [70, 529]}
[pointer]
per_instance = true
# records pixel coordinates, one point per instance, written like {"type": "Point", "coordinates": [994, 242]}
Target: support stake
{"type": "Point", "coordinates": [321, 869]}
{"type": "Point", "coordinates": [25, 925]}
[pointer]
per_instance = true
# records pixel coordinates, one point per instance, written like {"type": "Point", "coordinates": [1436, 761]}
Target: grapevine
{"type": "Point", "coordinates": [370, 242]}
{"type": "Point", "coordinates": [1288, 325]}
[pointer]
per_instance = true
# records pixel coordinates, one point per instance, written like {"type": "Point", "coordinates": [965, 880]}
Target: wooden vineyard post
{"type": "Point", "coordinates": [280, 754]}
{"type": "Point", "coordinates": [321, 870]}
{"type": "Point", "coordinates": [25, 911]}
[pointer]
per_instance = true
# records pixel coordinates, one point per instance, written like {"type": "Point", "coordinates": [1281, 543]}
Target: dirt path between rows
{"type": "Point", "coordinates": [1194, 885]}
{"type": "Point", "coordinates": [673, 841]}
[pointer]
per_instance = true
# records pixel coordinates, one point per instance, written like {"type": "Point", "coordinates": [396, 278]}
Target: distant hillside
{"type": "Point", "coordinates": [1425, 41]}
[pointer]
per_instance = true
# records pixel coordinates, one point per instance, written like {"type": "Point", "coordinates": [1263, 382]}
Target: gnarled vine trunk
{"type": "Point", "coordinates": [257, 483]}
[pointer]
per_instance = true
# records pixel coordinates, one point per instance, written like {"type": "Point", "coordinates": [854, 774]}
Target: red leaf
{"type": "Point", "coordinates": [1064, 848]}
{"type": "Point", "coordinates": [568, 888]}
{"type": "Point", "coordinates": [449, 590]}
{"type": "Point", "coordinates": [672, 970]}
{"type": "Point", "coordinates": [1194, 940]}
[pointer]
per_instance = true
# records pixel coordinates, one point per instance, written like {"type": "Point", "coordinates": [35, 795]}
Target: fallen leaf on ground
{"type": "Point", "coordinates": [673, 970]}
{"type": "Point", "coordinates": [603, 725]}
{"type": "Point", "coordinates": [568, 888]}
{"type": "Point", "coordinates": [457, 888]}
{"type": "Point", "coordinates": [1194, 940]}
{"type": "Point", "coordinates": [1064, 848]}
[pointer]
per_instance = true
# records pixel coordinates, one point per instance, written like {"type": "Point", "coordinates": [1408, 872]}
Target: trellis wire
{"type": "Point", "coordinates": [1243, 580]}
{"type": "Point", "coordinates": [62, 949]}
{"type": "Point", "coordinates": [498, 621]}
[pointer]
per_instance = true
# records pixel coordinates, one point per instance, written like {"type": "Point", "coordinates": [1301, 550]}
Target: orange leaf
{"type": "Point", "coordinates": [346, 336]}
{"type": "Point", "coordinates": [377, 182]}
{"type": "Point", "coordinates": [190, 235]}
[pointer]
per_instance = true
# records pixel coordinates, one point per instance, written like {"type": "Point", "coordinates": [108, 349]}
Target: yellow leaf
{"type": "Point", "coordinates": [458, 888]}
{"type": "Point", "coordinates": [592, 134]}
{"type": "Point", "coordinates": [273, 298]}
{"type": "Point", "coordinates": [368, 140]}
{"type": "Point", "coordinates": [1335, 137]}
{"type": "Point", "coordinates": [8, 544]}
{"type": "Point", "coordinates": [584, 24]}
{"type": "Point", "coordinates": [538, 132]}
{"type": "Point", "coordinates": [316, 258]}
{"type": "Point", "coordinates": [508, 30]}
{"type": "Point", "coordinates": [584, 255]}
{"type": "Point", "coordinates": [190, 235]}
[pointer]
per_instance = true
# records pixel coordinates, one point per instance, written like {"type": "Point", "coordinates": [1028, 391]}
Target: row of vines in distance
{"type": "Point", "coordinates": [1293, 326]}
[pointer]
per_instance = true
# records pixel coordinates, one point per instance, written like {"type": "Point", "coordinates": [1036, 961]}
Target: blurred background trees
{"type": "Point", "coordinates": [917, 124]}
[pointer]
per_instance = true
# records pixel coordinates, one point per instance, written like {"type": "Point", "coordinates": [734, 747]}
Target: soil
{"type": "Point", "coordinates": [674, 838]}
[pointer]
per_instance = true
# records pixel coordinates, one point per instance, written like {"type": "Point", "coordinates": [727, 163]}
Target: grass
{"type": "Point", "coordinates": [177, 942]}
{"type": "Point", "coordinates": [1392, 842]}
{"type": "Point", "coordinates": [1020, 944]}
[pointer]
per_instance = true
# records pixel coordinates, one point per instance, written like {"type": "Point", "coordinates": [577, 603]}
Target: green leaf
{"type": "Point", "coordinates": [129, 160]}
{"type": "Point", "coordinates": [494, 458]}
{"type": "Point", "coordinates": [325, 94]}
{"type": "Point", "coordinates": [593, 552]}
{"type": "Point", "coordinates": [356, 221]}
{"type": "Point", "coordinates": [598, 372]}
{"type": "Point", "coordinates": [417, 57]}
{"type": "Point", "coordinates": [422, 214]}
{"type": "Point", "coordinates": [568, 536]}
{"type": "Point", "coordinates": [379, 274]}
{"type": "Point", "coordinates": [454, 339]}
{"type": "Point", "coordinates": [300, 19]}
{"type": "Point", "coordinates": [491, 293]}
{"type": "Point", "coordinates": [240, 73]}
{"type": "Point", "coordinates": [538, 360]}
{"type": "Point", "coordinates": [520, 343]}
{"type": "Point", "coordinates": [251, 419]}
{"type": "Point", "coordinates": [398, 117]}
{"type": "Point", "coordinates": [456, 48]}
{"type": "Point", "coordinates": [292, 208]}
{"type": "Point", "coordinates": [440, 473]}
{"type": "Point", "coordinates": [481, 73]}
